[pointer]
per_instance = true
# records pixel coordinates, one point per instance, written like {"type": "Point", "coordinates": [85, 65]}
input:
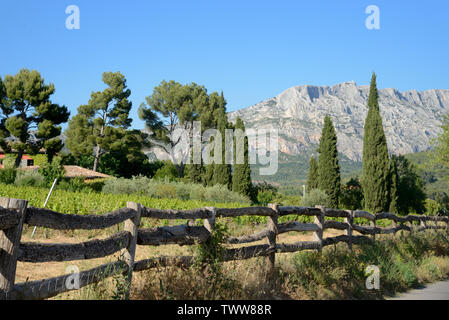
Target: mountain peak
{"type": "Point", "coordinates": [299, 111]}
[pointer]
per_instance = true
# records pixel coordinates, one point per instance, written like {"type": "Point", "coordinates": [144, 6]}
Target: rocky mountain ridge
{"type": "Point", "coordinates": [411, 119]}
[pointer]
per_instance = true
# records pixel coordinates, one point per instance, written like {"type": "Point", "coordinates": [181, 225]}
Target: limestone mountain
{"type": "Point", "coordinates": [410, 119]}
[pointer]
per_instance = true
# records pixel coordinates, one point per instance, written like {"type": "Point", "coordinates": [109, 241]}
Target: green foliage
{"type": "Point", "coordinates": [78, 185]}
{"type": "Point", "coordinates": [195, 173]}
{"type": "Point", "coordinates": [241, 178]}
{"type": "Point", "coordinates": [394, 182]}
{"type": "Point", "coordinates": [26, 104]}
{"type": "Point", "coordinates": [211, 252]}
{"type": "Point", "coordinates": [29, 178]}
{"type": "Point", "coordinates": [223, 172]}
{"type": "Point", "coordinates": [167, 172]}
{"type": "Point", "coordinates": [293, 169]}
{"type": "Point", "coordinates": [312, 176]}
{"type": "Point", "coordinates": [208, 179]}
{"type": "Point", "coordinates": [432, 207]}
{"type": "Point", "coordinates": [351, 195]}
{"type": "Point", "coordinates": [8, 175]}
{"type": "Point", "coordinates": [79, 136]}
{"type": "Point", "coordinates": [410, 193]}
{"type": "Point", "coordinates": [52, 171]}
{"type": "Point", "coordinates": [97, 203]}
{"type": "Point", "coordinates": [101, 129]}
{"type": "Point", "coordinates": [376, 162]}
{"type": "Point", "coordinates": [443, 202]}
{"type": "Point", "coordinates": [442, 145]}
{"type": "Point", "coordinates": [266, 194]}
{"type": "Point", "coordinates": [432, 172]}
{"type": "Point", "coordinates": [173, 105]}
{"type": "Point", "coordinates": [316, 197]}
{"type": "Point", "coordinates": [328, 165]}
{"type": "Point", "coordinates": [169, 189]}
{"type": "Point", "coordinates": [116, 164]}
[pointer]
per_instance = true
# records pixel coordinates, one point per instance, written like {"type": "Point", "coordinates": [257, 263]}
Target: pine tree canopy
{"type": "Point", "coordinates": [26, 106]}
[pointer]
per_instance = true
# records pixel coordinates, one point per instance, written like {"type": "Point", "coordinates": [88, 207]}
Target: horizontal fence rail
{"type": "Point", "coordinates": [14, 213]}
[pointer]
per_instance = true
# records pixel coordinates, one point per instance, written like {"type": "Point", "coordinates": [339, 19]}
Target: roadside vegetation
{"type": "Point", "coordinates": [406, 261]}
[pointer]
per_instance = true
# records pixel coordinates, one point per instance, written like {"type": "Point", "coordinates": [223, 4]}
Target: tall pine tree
{"type": "Point", "coordinates": [312, 176]}
{"type": "Point", "coordinates": [376, 162]}
{"type": "Point", "coordinates": [241, 178]}
{"type": "Point", "coordinates": [328, 166]}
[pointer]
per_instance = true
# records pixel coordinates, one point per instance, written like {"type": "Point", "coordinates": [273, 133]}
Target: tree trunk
{"type": "Point", "coordinates": [180, 168]}
{"type": "Point", "coordinates": [97, 156]}
{"type": "Point", "coordinates": [97, 151]}
{"type": "Point", "coordinates": [18, 159]}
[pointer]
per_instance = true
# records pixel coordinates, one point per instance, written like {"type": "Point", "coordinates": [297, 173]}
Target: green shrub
{"type": "Point", "coordinates": [314, 198]}
{"type": "Point", "coordinates": [97, 203]}
{"type": "Point", "coordinates": [432, 207]}
{"type": "Point", "coordinates": [8, 175]}
{"type": "Point", "coordinates": [351, 195]}
{"type": "Point", "coordinates": [52, 171]}
{"type": "Point", "coordinates": [31, 178]}
{"type": "Point", "coordinates": [169, 189]}
{"type": "Point", "coordinates": [73, 184]}
{"type": "Point", "coordinates": [167, 172]}
{"type": "Point", "coordinates": [166, 191]}
{"type": "Point", "coordinates": [95, 185]}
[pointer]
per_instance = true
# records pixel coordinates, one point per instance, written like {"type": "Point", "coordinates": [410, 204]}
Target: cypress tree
{"type": "Point", "coordinates": [195, 171]}
{"type": "Point", "coordinates": [241, 178]}
{"type": "Point", "coordinates": [208, 179]}
{"type": "Point", "coordinates": [312, 176]}
{"type": "Point", "coordinates": [222, 172]}
{"type": "Point", "coordinates": [393, 187]}
{"type": "Point", "coordinates": [376, 161]}
{"type": "Point", "coordinates": [328, 166]}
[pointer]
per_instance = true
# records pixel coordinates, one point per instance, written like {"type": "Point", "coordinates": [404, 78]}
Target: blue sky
{"type": "Point", "coordinates": [252, 50]}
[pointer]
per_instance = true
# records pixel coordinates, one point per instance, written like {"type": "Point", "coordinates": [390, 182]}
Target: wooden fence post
{"type": "Point", "coordinates": [319, 221]}
{"type": "Point", "coordinates": [349, 220]}
{"type": "Point", "coordinates": [373, 225]}
{"type": "Point", "coordinates": [9, 245]}
{"type": "Point", "coordinates": [410, 225]}
{"type": "Point", "coordinates": [272, 223]}
{"type": "Point", "coordinates": [422, 223]}
{"type": "Point", "coordinates": [132, 226]}
{"type": "Point", "coordinates": [209, 224]}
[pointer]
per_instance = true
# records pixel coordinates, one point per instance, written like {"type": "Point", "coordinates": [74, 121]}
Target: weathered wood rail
{"type": "Point", "coordinates": [14, 213]}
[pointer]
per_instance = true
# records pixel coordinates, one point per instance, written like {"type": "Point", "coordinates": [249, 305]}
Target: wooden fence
{"type": "Point", "coordinates": [14, 213]}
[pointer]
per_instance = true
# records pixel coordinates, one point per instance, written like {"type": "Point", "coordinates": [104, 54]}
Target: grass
{"type": "Point", "coordinates": [406, 261]}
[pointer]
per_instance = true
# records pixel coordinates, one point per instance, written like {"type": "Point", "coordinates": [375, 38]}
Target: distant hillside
{"type": "Point", "coordinates": [433, 174]}
{"type": "Point", "coordinates": [292, 173]}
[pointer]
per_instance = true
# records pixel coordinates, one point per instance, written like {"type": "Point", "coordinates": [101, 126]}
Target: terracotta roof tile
{"type": "Point", "coordinates": [75, 171]}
